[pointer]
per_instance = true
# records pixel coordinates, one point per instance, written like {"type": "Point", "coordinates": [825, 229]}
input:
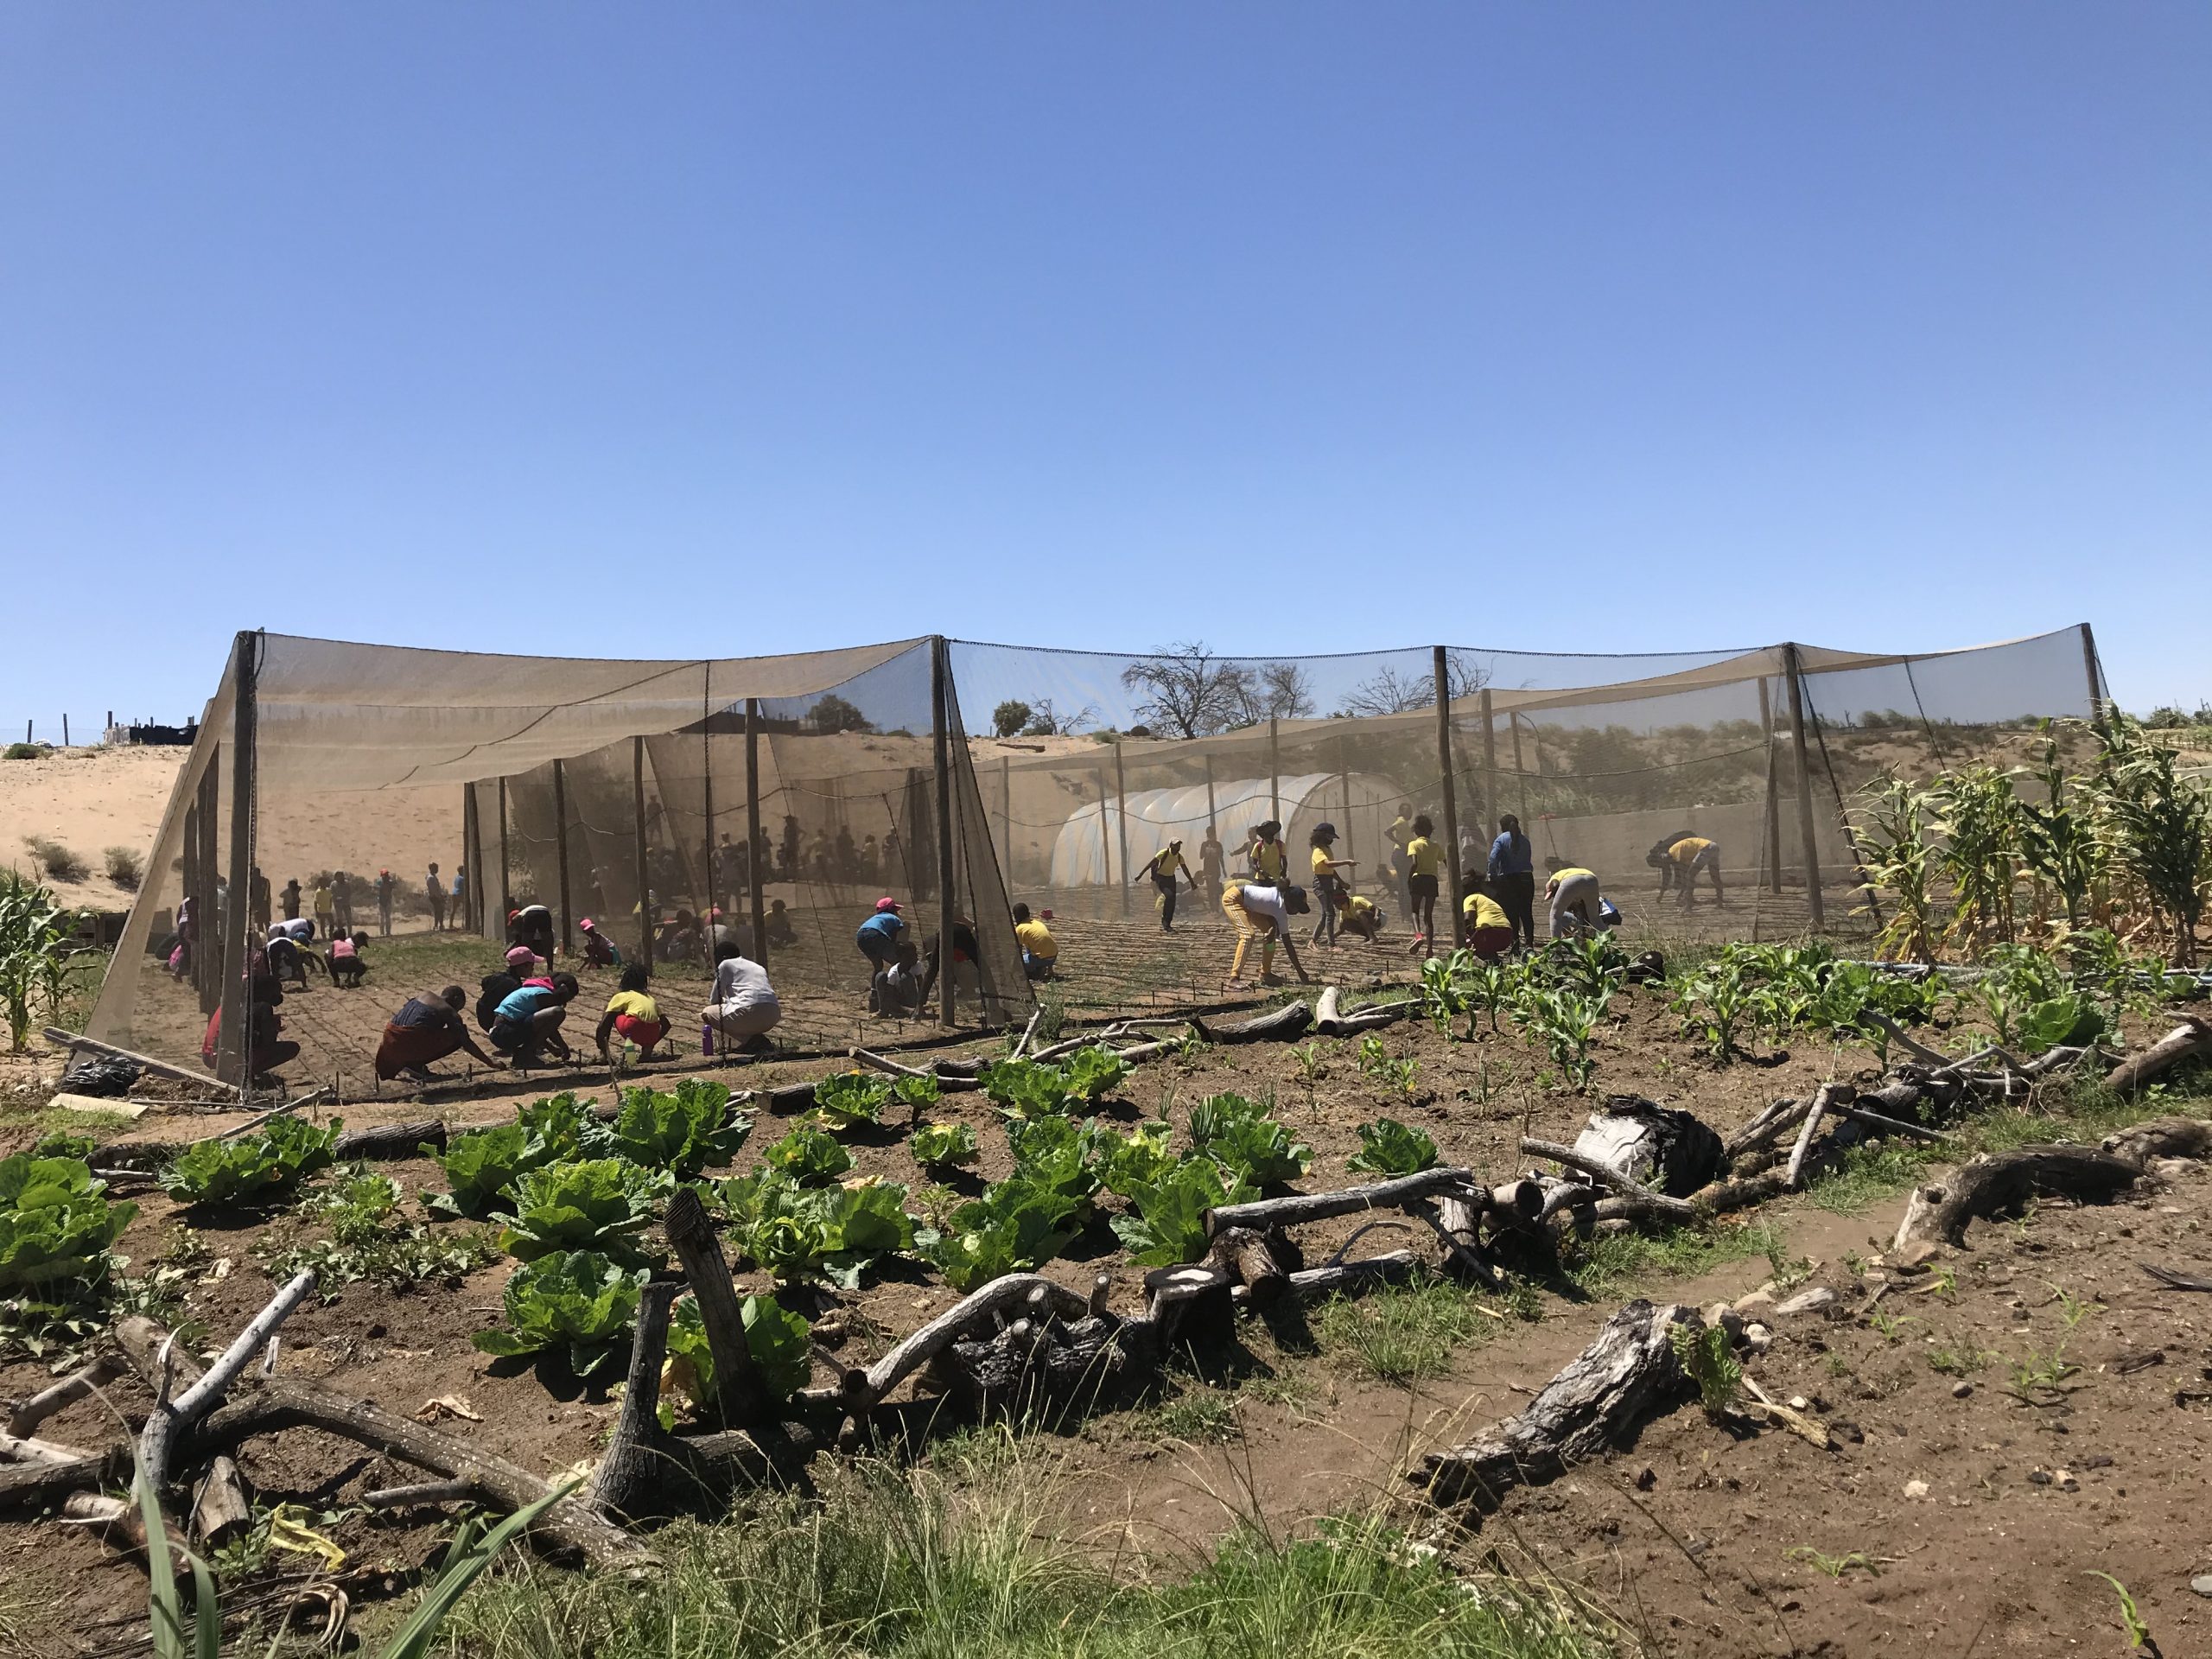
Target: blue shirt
{"type": "Point", "coordinates": [884, 922]}
{"type": "Point", "coordinates": [1507, 859]}
{"type": "Point", "coordinates": [520, 1005]}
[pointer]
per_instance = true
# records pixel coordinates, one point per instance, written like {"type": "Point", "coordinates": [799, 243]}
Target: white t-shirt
{"type": "Point", "coordinates": [1267, 902]}
{"type": "Point", "coordinates": [299, 930]}
{"type": "Point", "coordinates": [741, 982]}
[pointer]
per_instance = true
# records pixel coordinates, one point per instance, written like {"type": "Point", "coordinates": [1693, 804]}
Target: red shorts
{"type": "Point", "coordinates": [1490, 941]}
{"type": "Point", "coordinates": [643, 1033]}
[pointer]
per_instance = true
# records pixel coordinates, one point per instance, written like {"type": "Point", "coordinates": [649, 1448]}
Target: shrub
{"type": "Point", "coordinates": [25, 751]}
{"type": "Point", "coordinates": [125, 868]}
{"type": "Point", "coordinates": [51, 861]}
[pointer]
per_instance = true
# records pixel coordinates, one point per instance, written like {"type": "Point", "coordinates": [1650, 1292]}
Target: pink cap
{"type": "Point", "coordinates": [521, 956]}
{"type": "Point", "coordinates": [882, 905]}
{"type": "Point", "coordinates": [585, 924]}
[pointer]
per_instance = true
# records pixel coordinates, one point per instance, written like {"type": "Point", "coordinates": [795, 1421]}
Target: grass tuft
{"type": "Point", "coordinates": [1401, 1333]}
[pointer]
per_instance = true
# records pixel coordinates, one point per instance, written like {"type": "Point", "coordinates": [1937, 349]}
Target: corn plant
{"type": "Point", "coordinates": [2060, 839]}
{"type": "Point", "coordinates": [34, 973]}
{"type": "Point", "coordinates": [1566, 1022]}
{"type": "Point", "coordinates": [2163, 827]}
{"type": "Point", "coordinates": [1893, 820]}
{"type": "Point", "coordinates": [1978, 816]}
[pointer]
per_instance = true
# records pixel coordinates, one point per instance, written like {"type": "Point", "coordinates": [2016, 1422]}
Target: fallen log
{"type": "Point", "coordinates": [2164, 1137]}
{"type": "Point", "coordinates": [1860, 1115]}
{"type": "Point", "coordinates": [1999, 1181]}
{"type": "Point", "coordinates": [1331, 1021]}
{"type": "Point", "coordinates": [221, 1509]}
{"type": "Point", "coordinates": [24, 1419]}
{"type": "Point", "coordinates": [2192, 1038]}
{"type": "Point", "coordinates": [1658, 1202]}
{"type": "Point", "coordinates": [420, 1492]}
{"type": "Point", "coordinates": [1249, 1258]}
{"type": "Point", "coordinates": [1738, 1191]}
{"type": "Point", "coordinates": [1015, 1290]}
{"type": "Point", "coordinates": [1280, 1025]}
{"type": "Point", "coordinates": [37, 1483]}
{"type": "Point", "coordinates": [1300, 1208]}
{"type": "Point", "coordinates": [391, 1140]}
{"type": "Point", "coordinates": [1346, 1278]}
{"type": "Point", "coordinates": [1621, 1378]}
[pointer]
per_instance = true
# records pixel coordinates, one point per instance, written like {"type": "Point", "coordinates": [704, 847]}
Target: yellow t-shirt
{"type": "Point", "coordinates": [1166, 861]}
{"type": "Point", "coordinates": [636, 1004]}
{"type": "Point", "coordinates": [1482, 911]}
{"type": "Point", "coordinates": [1686, 850]}
{"type": "Point", "coordinates": [1325, 862]}
{"type": "Point", "coordinates": [1270, 860]}
{"type": "Point", "coordinates": [1359, 909]}
{"type": "Point", "coordinates": [322, 903]}
{"type": "Point", "coordinates": [1037, 939]}
{"type": "Point", "coordinates": [1560, 878]}
{"type": "Point", "coordinates": [1423, 856]}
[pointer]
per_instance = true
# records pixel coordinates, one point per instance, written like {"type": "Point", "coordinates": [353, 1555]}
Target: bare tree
{"type": "Point", "coordinates": [1389, 692]}
{"type": "Point", "coordinates": [1273, 691]}
{"type": "Point", "coordinates": [1046, 720]}
{"type": "Point", "coordinates": [1187, 688]}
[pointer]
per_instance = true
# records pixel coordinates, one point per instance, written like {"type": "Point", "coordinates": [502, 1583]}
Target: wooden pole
{"type": "Point", "coordinates": [1122, 821]}
{"type": "Point", "coordinates": [1213, 820]}
{"type": "Point", "coordinates": [755, 866]}
{"type": "Point", "coordinates": [207, 963]}
{"type": "Point", "coordinates": [1275, 774]}
{"type": "Point", "coordinates": [472, 860]}
{"type": "Point", "coordinates": [1770, 824]}
{"type": "Point", "coordinates": [2088, 664]}
{"type": "Point", "coordinates": [1793, 663]}
{"type": "Point", "coordinates": [707, 770]}
{"type": "Point", "coordinates": [1006, 812]}
{"type": "Point", "coordinates": [941, 758]}
{"type": "Point", "coordinates": [506, 884]}
{"type": "Point", "coordinates": [64, 718]}
{"type": "Point", "coordinates": [234, 1061]}
{"type": "Point", "coordinates": [1450, 802]}
{"type": "Point", "coordinates": [1489, 767]}
{"type": "Point", "coordinates": [647, 911]}
{"type": "Point", "coordinates": [1344, 784]}
{"type": "Point", "coordinates": [560, 850]}
{"type": "Point", "coordinates": [1513, 721]}
{"type": "Point", "coordinates": [1106, 836]}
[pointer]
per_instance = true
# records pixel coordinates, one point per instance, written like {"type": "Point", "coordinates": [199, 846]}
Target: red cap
{"type": "Point", "coordinates": [882, 905]}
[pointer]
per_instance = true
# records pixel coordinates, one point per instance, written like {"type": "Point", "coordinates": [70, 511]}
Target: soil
{"type": "Point", "coordinates": [1988, 1545]}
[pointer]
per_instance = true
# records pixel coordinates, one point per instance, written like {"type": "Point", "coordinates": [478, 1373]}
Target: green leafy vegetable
{"type": "Point", "coordinates": [917, 1091]}
{"type": "Point", "coordinates": [1238, 1134]}
{"type": "Point", "coordinates": [1093, 1074]}
{"type": "Point", "coordinates": [781, 1342]}
{"type": "Point", "coordinates": [596, 1203]}
{"type": "Point", "coordinates": [1389, 1147]}
{"type": "Point", "coordinates": [807, 1155]}
{"type": "Point", "coordinates": [945, 1143]}
{"type": "Point", "coordinates": [266, 1165]}
{"type": "Point", "coordinates": [55, 1224]}
{"type": "Point", "coordinates": [1169, 1224]}
{"type": "Point", "coordinates": [853, 1097]}
{"type": "Point", "coordinates": [1024, 1088]}
{"type": "Point", "coordinates": [1016, 1225]}
{"type": "Point", "coordinates": [2070, 1018]}
{"type": "Point", "coordinates": [684, 1132]}
{"type": "Point", "coordinates": [831, 1234]}
{"type": "Point", "coordinates": [577, 1301]}
{"type": "Point", "coordinates": [1126, 1162]}
{"type": "Point", "coordinates": [1053, 1152]}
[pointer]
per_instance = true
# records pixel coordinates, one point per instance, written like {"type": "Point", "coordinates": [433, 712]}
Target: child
{"type": "Point", "coordinates": [780, 931]}
{"type": "Point", "coordinates": [347, 964]}
{"type": "Point", "coordinates": [1330, 875]}
{"type": "Point", "coordinates": [528, 1021]}
{"type": "Point", "coordinates": [1358, 917]}
{"type": "Point", "coordinates": [896, 991]}
{"type": "Point", "coordinates": [1423, 859]}
{"type": "Point", "coordinates": [632, 1012]}
{"type": "Point", "coordinates": [599, 950]}
{"type": "Point", "coordinates": [1489, 935]}
{"type": "Point", "coordinates": [1040, 952]}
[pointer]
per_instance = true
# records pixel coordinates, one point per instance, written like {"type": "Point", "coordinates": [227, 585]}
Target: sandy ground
{"type": "Point", "coordinates": [88, 800]}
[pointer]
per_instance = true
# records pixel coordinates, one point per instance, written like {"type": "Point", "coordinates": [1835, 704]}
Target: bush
{"type": "Point", "coordinates": [51, 861]}
{"type": "Point", "coordinates": [25, 751]}
{"type": "Point", "coordinates": [125, 868]}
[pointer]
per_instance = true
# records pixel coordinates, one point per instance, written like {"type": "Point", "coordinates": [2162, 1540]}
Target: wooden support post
{"type": "Point", "coordinates": [2096, 679]}
{"type": "Point", "coordinates": [1275, 774]}
{"type": "Point", "coordinates": [1770, 824]}
{"type": "Point", "coordinates": [1451, 802]}
{"type": "Point", "coordinates": [1520, 772]}
{"type": "Point", "coordinates": [234, 1062]}
{"type": "Point", "coordinates": [560, 850]}
{"type": "Point", "coordinates": [1106, 839]}
{"type": "Point", "coordinates": [707, 771]}
{"type": "Point", "coordinates": [1489, 767]}
{"type": "Point", "coordinates": [647, 910]}
{"type": "Point", "coordinates": [1005, 815]}
{"type": "Point", "coordinates": [1343, 784]}
{"type": "Point", "coordinates": [1122, 821]}
{"type": "Point", "coordinates": [192, 889]}
{"type": "Point", "coordinates": [1793, 665]}
{"type": "Point", "coordinates": [206, 959]}
{"type": "Point", "coordinates": [64, 718]}
{"type": "Point", "coordinates": [1213, 822]}
{"type": "Point", "coordinates": [941, 759]}
{"type": "Point", "coordinates": [756, 867]}
{"type": "Point", "coordinates": [506, 883]}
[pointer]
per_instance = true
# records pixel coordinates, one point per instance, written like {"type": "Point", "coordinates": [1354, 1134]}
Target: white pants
{"type": "Point", "coordinates": [1574, 905]}
{"type": "Point", "coordinates": [741, 1020]}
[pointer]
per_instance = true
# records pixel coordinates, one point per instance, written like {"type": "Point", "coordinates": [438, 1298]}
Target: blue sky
{"type": "Point", "coordinates": [693, 328]}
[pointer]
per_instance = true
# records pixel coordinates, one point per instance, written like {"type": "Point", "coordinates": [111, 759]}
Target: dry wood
{"type": "Point", "coordinates": [24, 1449]}
{"type": "Point", "coordinates": [1590, 1406]}
{"type": "Point", "coordinates": [2163, 1137]}
{"type": "Point", "coordinates": [1301, 1208]}
{"type": "Point", "coordinates": [1461, 1249]}
{"type": "Point", "coordinates": [391, 1140]}
{"type": "Point", "coordinates": [1789, 1417]}
{"type": "Point", "coordinates": [160, 1068]}
{"type": "Point", "coordinates": [1997, 1181]}
{"type": "Point", "coordinates": [739, 1395]}
{"type": "Point", "coordinates": [1771, 1124]}
{"type": "Point", "coordinates": [1325, 1013]}
{"type": "Point", "coordinates": [1346, 1278]}
{"type": "Point", "coordinates": [2192, 1038]}
{"type": "Point", "coordinates": [1015, 1290]}
{"type": "Point", "coordinates": [1888, 1125]}
{"type": "Point", "coordinates": [313, 1098]}
{"type": "Point", "coordinates": [1281, 1025]}
{"type": "Point", "coordinates": [172, 1417]}
{"type": "Point", "coordinates": [422, 1492]}
{"type": "Point", "coordinates": [1658, 1202]}
{"type": "Point", "coordinates": [1243, 1254]}
{"type": "Point", "coordinates": [221, 1510]}
{"type": "Point", "coordinates": [98, 1373]}
{"type": "Point", "coordinates": [36, 1483]}
{"type": "Point", "coordinates": [1027, 1032]}
{"type": "Point", "coordinates": [1738, 1191]}
{"type": "Point", "coordinates": [1147, 1050]}
{"type": "Point", "coordinates": [1897, 1034]}
{"type": "Point", "coordinates": [632, 1472]}
{"type": "Point", "coordinates": [1823, 1096]}
{"type": "Point", "coordinates": [880, 1063]}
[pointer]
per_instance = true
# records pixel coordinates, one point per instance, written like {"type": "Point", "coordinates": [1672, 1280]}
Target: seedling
{"type": "Point", "coordinates": [2131, 1620]}
{"type": "Point", "coordinates": [1834, 1565]}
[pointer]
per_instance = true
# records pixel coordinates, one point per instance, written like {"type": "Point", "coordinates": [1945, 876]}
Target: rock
{"type": "Point", "coordinates": [1727, 1319]}
{"type": "Point", "coordinates": [2167, 1169]}
{"type": "Point", "coordinates": [1915, 1256]}
{"type": "Point", "coordinates": [1915, 1488]}
{"type": "Point", "coordinates": [1754, 1304]}
{"type": "Point", "coordinates": [1960, 1390]}
{"type": "Point", "coordinates": [1814, 1300]}
{"type": "Point", "coordinates": [2201, 1584]}
{"type": "Point", "coordinates": [1646, 1479]}
{"type": "Point", "coordinates": [1758, 1338]}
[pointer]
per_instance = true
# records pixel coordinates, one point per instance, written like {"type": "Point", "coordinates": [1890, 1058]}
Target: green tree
{"type": "Point", "coordinates": [1010, 716]}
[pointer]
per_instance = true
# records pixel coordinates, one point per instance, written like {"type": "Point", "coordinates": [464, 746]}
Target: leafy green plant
{"type": "Point", "coordinates": [1894, 820]}
{"type": "Point", "coordinates": [594, 1203]}
{"type": "Point", "coordinates": [853, 1097]}
{"type": "Point", "coordinates": [55, 1225]}
{"type": "Point", "coordinates": [1168, 1225]}
{"type": "Point", "coordinates": [1124, 1162]}
{"type": "Point", "coordinates": [1054, 1153]}
{"type": "Point", "coordinates": [809, 1156]}
{"type": "Point", "coordinates": [483, 1165]}
{"type": "Point", "coordinates": [1376, 1062]}
{"type": "Point", "coordinates": [2131, 1616]}
{"type": "Point", "coordinates": [265, 1165]}
{"type": "Point", "coordinates": [917, 1092]}
{"type": "Point", "coordinates": [1389, 1147]}
{"type": "Point", "coordinates": [832, 1235]}
{"type": "Point", "coordinates": [1239, 1135]}
{"type": "Point", "coordinates": [2163, 825]}
{"type": "Point", "coordinates": [1977, 816]}
{"type": "Point", "coordinates": [1093, 1074]}
{"type": "Point", "coordinates": [1709, 1358]}
{"type": "Point", "coordinates": [684, 1132]}
{"type": "Point", "coordinates": [781, 1342]}
{"type": "Point", "coordinates": [944, 1144]}
{"type": "Point", "coordinates": [1024, 1088]}
{"type": "Point", "coordinates": [2060, 837]}
{"type": "Point", "coordinates": [579, 1304]}
{"type": "Point", "coordinates": [1018, 1224]}
{"type": "Point", "coordinates": [1566, 1020]}
{"type": "Point", "coordinates": [369, 1241]}
{"type": "Point", "coordinates": [34, 965]}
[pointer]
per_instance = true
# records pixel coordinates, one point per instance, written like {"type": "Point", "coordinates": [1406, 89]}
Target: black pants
{"type": "Point", "coordinates": [1517, 895]}
{"type": "Point", "coordinates": [1325, 900]}
{"type": "Point", "coordinates": [1166, 886]}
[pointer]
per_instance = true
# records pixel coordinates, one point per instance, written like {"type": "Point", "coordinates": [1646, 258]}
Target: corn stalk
{"type": "Point", "coordinates": [1893, 820]}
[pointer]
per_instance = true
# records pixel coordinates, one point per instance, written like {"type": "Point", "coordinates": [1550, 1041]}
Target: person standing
{"type": "Point", "coordinates": [1424, 861]}
{"type": "Point", "coordinates": [259, 901]}
{"type": "Point", "coordinates": [1270, 858]}
{"type": "Point", "coordinates": [1513, 874]}
{"type": "Point", "coordinates": [292, 899]}
{"type": "Point", "coordinates": [326, 909]}
{"type": "Point", "coordinates": [1162, 868]}
{"type": "Point", "coordinates": [1213, 864]}
{"type": "Point", "coordinates": [1331, 875]}
{"type": "Point", "coordinates": [434, 889]}
{"type": "Point", "coordinates": [458, 911]}
{"type": "Point", "coordinates": [385, 884]}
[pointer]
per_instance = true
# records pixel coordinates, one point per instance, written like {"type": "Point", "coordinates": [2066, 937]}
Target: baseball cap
{"type": "Point", "coordinates": [882, 905]}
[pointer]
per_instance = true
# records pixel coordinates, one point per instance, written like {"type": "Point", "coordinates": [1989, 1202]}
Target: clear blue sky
{"type": "Point", "coordinates": [692, 329]}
